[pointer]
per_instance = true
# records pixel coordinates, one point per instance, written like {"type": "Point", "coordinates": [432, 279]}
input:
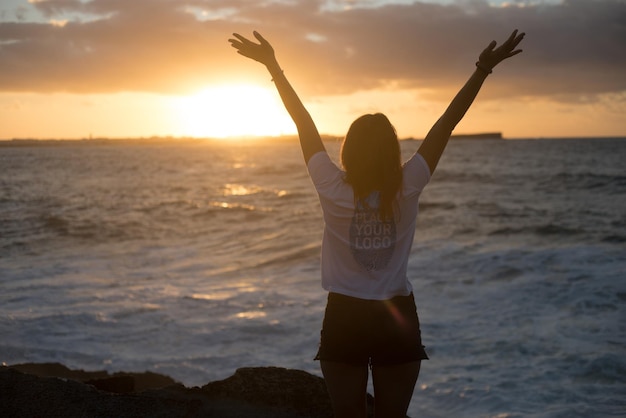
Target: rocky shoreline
{"type": "Point", "coordinates": [53, 390]}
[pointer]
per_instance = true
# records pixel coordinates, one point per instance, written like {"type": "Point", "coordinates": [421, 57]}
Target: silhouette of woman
{"type": "Point", "coordinates": [370, 209]}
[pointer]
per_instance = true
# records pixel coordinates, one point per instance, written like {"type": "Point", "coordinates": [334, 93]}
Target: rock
{"type": "Point", "coordinates": [23, 395]}
{"type": "Point", "coordinates": [120, 382]}
{"type": "Point", "coordinates": [291, 390]}
{"type": "Point", "coordinates": [263, 392]}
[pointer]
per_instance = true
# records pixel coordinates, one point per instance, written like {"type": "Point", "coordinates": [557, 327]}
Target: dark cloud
{"type": "Point", "coordinates": [573, 49]}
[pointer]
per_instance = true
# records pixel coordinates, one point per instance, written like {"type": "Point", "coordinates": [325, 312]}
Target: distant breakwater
{"type": "Point", "coordinates": [485, 135]}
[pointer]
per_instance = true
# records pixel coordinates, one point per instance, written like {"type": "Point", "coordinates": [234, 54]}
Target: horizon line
{"type": "Point", "coordinates": [325, 137]}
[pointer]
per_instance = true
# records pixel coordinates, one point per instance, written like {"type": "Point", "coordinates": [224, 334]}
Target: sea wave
{"type": "Point", "coordinates": [194, 260]}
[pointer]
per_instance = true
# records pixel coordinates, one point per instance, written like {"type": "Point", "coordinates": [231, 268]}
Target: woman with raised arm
{"type": "Point", "coordinates": [370, 209]}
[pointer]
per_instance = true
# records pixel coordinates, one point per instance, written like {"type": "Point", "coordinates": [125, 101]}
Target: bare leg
{"type": "Point", "coordinates": [393, 388]}
{"type": "Point", "coordinates": [347, 387]}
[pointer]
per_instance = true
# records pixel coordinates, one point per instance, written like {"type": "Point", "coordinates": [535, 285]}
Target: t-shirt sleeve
{"type": "Point", "coordinates": [415, 174]}
{"type": "Point", "coordinates": [324, 173]}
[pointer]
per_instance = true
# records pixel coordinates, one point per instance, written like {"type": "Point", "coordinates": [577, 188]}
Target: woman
{"type": "Point", "coordinates": [370, 212]}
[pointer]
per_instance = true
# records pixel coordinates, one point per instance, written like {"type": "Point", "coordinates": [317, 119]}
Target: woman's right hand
{"type": "Point", "coordinates": [261, 52]}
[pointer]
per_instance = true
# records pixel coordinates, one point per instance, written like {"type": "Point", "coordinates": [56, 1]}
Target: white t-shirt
{"type": "Point", "coordinates": [362, 256]}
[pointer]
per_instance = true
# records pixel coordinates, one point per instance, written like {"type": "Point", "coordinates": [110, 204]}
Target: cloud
{"type": "Point", "coordinates": [573, 49]}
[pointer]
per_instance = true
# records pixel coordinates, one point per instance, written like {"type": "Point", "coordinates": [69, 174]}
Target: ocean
{"type": "Point", "coordinates": [193, 258]}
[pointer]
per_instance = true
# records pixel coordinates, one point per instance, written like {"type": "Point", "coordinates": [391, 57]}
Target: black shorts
{"type": "Point", "coordinates": [374, 332]}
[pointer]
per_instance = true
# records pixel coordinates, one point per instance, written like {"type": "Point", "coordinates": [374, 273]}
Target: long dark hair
{"type": "Point", "coordinates": [370, 155]}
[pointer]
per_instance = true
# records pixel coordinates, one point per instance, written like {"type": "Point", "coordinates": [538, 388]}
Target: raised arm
{"type": "Point", "coordinates": [437, 138]}
{"type": "Point", "coordinates": [310, 139]}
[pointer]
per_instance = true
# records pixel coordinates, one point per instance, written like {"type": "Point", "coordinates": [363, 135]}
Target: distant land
{"type": "Point", "coordinates": [485, 135]}
{"type": "Point", "coordinates": [28, 142]}
{"type": "Point", "coordinates": [481, 135]}
{"type": "Point", "coordinates": [156, 140]}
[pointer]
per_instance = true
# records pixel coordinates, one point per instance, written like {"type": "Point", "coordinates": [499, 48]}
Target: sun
{"type": "Point", "coordinates": [235, 110]}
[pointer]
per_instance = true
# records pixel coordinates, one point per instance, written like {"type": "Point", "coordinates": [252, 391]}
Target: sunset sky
{"type": "Point", "coordinates": [140, 68]}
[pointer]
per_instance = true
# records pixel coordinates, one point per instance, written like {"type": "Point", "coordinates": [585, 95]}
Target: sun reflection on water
{"type": "Point", "coordinates": [251, 315]}
{"type": "Point", "coordinates": [239, 190]}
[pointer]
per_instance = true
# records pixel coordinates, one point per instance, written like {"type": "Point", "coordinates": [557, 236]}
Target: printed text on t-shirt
{"type": "Point", "coordinates": [372, 240]}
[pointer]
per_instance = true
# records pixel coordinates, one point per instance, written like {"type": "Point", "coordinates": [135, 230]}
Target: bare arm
{"type": "Point", "coordinates": [310, 139]}
{"type": "Point", "coordinates": [438, 136]}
